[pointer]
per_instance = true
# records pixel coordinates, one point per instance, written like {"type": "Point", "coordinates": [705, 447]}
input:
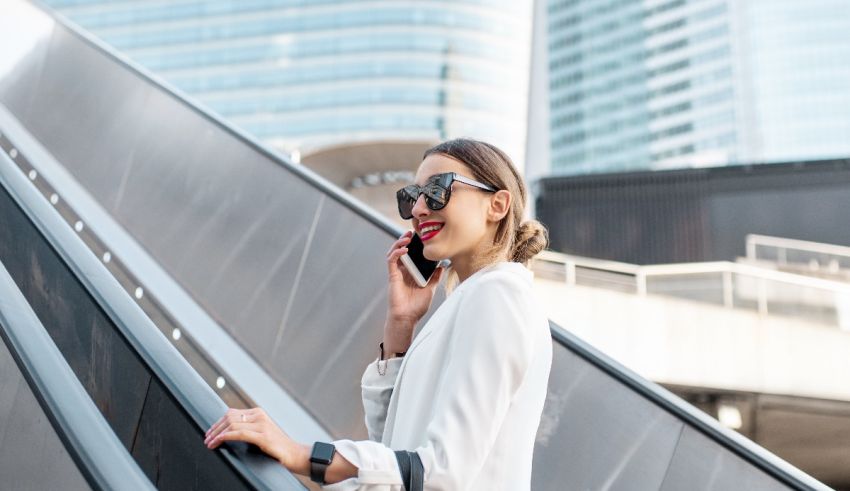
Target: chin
{"type": "Point", "coordinates": [431, 254]}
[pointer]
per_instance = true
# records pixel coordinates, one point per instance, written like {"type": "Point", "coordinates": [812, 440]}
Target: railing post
{"type": "Point", "coordinates": [727, 290]}
{"type": "Point", "coordinates": [640, 278]}
{"type": "Point", "coordinates": [571, 272]}
{"type": "Point", "coordinates": [751, 247]}
{"type": "Point", "coordinates": [762, 297]}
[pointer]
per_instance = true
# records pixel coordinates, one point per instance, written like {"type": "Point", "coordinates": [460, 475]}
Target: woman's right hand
{"type": "Point", "coordinates": [408, 302]}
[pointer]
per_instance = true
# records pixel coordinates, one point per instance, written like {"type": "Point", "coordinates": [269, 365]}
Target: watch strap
{"type": "Point", "coordinates": [319, 461]}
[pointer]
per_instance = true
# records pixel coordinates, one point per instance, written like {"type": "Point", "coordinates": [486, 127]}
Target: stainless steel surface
{"type": "Point", "coordinates": [294, 269]}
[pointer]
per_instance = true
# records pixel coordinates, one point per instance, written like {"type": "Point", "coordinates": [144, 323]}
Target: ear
{"type": "Point", "coordinates": [500, 205]}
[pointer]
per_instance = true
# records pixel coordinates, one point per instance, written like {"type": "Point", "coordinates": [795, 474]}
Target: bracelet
{"type": "Point", "coordinates": [381, 359]}
{"type": "Point", "coordinates": [382, 351]}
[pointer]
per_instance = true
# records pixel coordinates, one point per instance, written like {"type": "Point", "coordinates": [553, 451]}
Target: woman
{"type": "Point", "coordinates": [467, 393]}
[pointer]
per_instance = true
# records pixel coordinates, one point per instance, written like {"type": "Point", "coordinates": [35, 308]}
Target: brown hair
{"type": "Point", "coordinates": [515, 240]}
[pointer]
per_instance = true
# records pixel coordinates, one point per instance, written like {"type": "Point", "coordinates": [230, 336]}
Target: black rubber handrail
{"type": "Point", "coordinates": [95, 448]}
{"type": "Point", "coordinates": [199, 401]}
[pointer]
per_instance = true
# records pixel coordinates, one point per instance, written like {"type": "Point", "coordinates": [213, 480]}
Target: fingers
{"type": "Point", "coordinates": [231, 417]}
{"type": "Point", "coordinates": [237, 434]}
{"type": "Point", "coordinates": [397, 250]}
{"type": "Point", "coordinates": [403, 240]}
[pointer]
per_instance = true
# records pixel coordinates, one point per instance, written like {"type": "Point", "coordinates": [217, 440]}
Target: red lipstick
{"type": "Point", "coordinates": [431, 233]}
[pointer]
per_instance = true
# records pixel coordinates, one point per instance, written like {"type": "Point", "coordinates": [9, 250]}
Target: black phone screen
{"type": "Point", "coordinates": [414, 250]}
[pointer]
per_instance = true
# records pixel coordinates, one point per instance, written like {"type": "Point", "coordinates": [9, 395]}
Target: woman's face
{"type": "Point", "coordinates": [462, 223]}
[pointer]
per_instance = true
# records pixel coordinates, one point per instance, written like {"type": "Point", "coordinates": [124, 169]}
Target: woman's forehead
{"type": "Point", "coordinates": [437, 164]}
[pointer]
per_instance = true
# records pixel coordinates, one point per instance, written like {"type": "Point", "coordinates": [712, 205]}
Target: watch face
{"type": "Point", "coordinates": [323, 453]}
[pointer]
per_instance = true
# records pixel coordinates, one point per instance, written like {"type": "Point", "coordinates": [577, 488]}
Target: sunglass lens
{"type": "Point", "coordinates": [437, 196]}
{"type": "Point", "coordinates": [406, 200]}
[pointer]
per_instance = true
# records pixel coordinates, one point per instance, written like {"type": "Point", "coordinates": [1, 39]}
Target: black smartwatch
{"type": "Point", "coordinates": [320, 459]}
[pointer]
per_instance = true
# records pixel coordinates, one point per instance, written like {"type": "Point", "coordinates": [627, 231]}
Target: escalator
{"type": "Point", "coordinates": [180, 266]}
{"type": "Point", "coordinates": [67, 324]}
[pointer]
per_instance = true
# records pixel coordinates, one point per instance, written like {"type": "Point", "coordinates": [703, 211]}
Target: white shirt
{"type": "Point", "coordinates": [467, 396]}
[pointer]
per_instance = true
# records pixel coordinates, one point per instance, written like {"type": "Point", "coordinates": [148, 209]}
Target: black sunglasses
{"type": "Point", "coordinates": [437, 192]}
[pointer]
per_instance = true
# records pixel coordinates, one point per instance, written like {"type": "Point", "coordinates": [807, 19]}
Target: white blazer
{"type": "Point", "coordinates": [467, 396]}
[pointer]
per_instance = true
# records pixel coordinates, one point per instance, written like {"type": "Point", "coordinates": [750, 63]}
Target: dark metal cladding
{"type": "Point", "coordinates": [692, 215]}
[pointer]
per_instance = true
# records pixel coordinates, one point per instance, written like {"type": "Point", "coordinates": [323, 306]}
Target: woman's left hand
{"type": "Point", "coordinates": [253, 426]}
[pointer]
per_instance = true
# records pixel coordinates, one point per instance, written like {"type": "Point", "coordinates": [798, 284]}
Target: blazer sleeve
{"type": "Point", "coordinates": [376, 390]}
{"type": "Point", "coordinates": [489, 354]}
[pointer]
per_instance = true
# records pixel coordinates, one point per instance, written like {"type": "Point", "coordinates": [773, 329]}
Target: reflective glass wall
{"type": "Point", "coordinates": [307, 75]}
{"type": "Point", "coordinates": [798, 57]}
{"type": "Point", "coordinates": [658, 84]}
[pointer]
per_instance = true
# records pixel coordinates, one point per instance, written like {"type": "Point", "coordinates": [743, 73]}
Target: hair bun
{"type": "Point", "coordinates": [530, 239]}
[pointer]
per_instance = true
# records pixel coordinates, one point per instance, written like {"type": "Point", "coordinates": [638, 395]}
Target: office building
{"type": "Point", "coordinates": [660, 84]}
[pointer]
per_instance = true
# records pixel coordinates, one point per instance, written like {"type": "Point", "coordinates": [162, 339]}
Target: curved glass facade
{"type": "Point", "coordinates": [306, 75]}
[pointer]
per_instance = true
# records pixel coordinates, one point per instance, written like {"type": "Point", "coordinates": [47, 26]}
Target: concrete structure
{"type": "Point", "coordinates": [660, 84]}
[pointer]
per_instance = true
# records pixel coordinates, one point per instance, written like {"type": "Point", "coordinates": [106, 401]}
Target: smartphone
{"type": "Point", "coordinates": [419, 267]}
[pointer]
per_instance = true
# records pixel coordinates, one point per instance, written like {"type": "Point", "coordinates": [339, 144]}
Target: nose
{"type": "Point", "coordinates": [420, 209]}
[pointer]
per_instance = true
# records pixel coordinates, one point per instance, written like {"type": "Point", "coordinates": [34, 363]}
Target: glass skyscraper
{"type": "Point", "coordinates": [657, 84]}
{"type": "Point", "coordinates": [381, 79]}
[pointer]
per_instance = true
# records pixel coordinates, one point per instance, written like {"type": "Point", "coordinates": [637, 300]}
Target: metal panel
{"type": "Point", "coordinates": [31, 454]}
{"type": "Point", "coordinates": [598, 434]}
{"type": "Point", "coordinates": [172, 451]}
{"type": "Point", "coordinates": [692, 215]}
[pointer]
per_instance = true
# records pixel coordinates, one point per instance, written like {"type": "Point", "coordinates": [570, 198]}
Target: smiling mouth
{"type": "Point", "coordinates": [430, 233]}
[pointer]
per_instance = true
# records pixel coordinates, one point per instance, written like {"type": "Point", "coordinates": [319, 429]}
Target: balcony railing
{"type": "Point", "coordinates": [723, 283]}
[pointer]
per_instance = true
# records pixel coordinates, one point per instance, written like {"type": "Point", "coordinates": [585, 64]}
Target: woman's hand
{"type": "Point", "coordinates": [256, 427]}
{"type": "Point", "coordinates": [408, 302]}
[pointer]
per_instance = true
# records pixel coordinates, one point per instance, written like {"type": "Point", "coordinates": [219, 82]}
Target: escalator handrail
{"type": "Point", "coordinates": [200, 402]}
{"type": "Point", "coordinates": [95, 448]}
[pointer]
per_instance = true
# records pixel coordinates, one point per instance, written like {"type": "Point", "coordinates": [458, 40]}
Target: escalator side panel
{"type": "Point", "coordinates": [626, 442]}
{"type": "Point", "coordinates": [169, 443]}
{"type": "Point", "coordinates": [699, 464]}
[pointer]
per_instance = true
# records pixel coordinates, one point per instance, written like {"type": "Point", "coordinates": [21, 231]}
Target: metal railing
{"type": "Point", "coordinates": [806, 256]}
{"type": "Point", "coordinates": [723, 283]}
